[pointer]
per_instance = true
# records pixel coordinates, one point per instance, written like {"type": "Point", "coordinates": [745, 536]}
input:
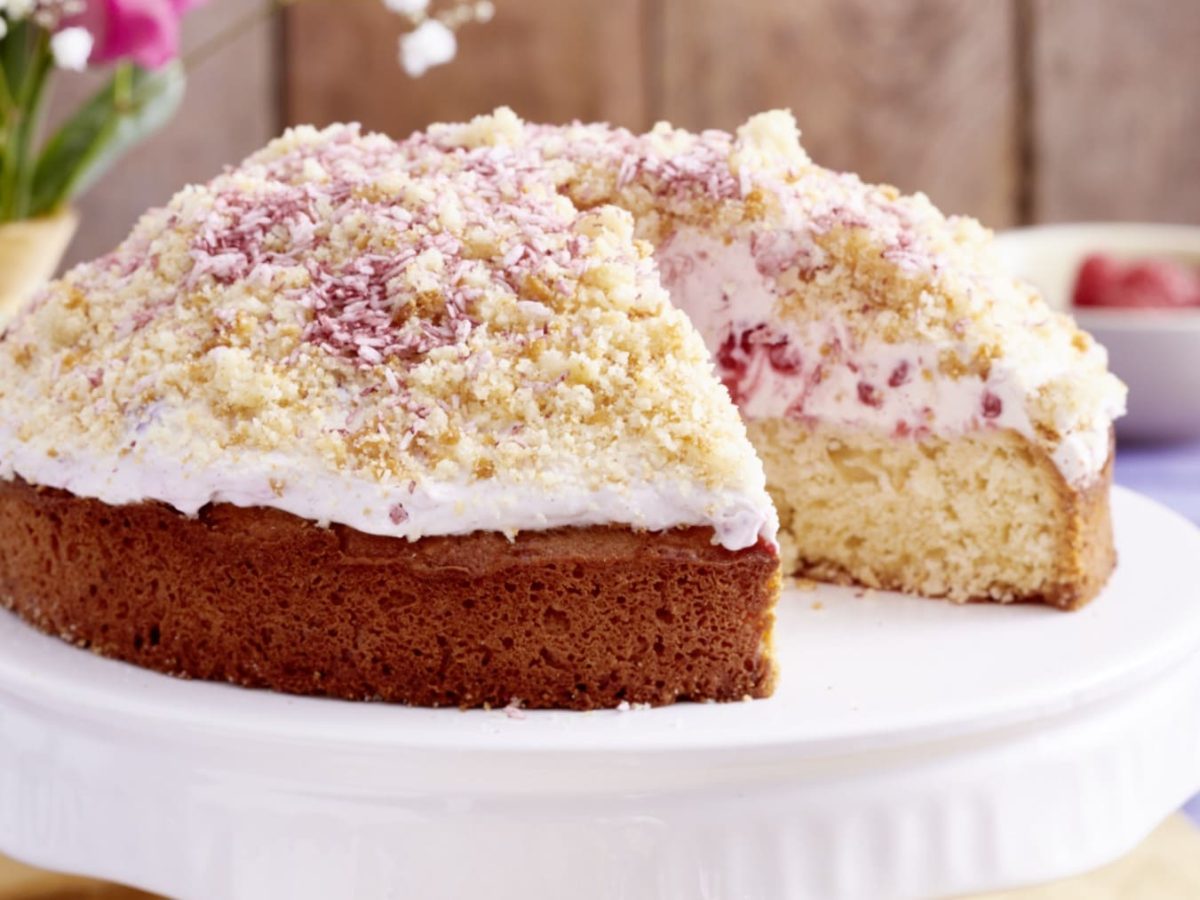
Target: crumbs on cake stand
{"type": "Point", "coordinates": [514, 709]}
{"type": "Point", "coordinates": [625, 706]}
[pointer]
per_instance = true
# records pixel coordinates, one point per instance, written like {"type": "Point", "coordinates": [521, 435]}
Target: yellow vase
{"type": "Point", "coordinates": [30, 252]}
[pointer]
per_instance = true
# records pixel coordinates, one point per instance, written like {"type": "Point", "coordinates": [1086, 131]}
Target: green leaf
{"type": "Point", "coordinates": [25, 62]}
{"type": "Point", "coordinates": [16, 54]}
{"type": "Point", "coordinates": [129, 108]}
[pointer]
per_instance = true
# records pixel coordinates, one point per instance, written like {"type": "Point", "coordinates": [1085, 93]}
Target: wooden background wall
{"type": "Point", "coordinates": [1012, 110]}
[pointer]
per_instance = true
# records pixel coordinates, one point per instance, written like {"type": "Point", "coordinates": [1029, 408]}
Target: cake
{"type": "Point", "coordinates": [928, 424]}
{"type": "Point", "coordinates": [338, 423]}
{"type": "Point", "coordinates": [451, 420]}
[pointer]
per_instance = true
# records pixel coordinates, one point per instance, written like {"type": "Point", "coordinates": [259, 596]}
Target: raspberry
{"type": "Point", "coordinates": [783, 357]}
{"type": "Point", "coordinates": [727, 355]}
{"type": "Point", "coordinates": [1144, 284]}
{"type": "Point", "coordinates": [753, 336]}
{"type": "Point", "coordinates": [992, 405]}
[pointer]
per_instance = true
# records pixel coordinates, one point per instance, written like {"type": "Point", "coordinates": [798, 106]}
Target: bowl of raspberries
{"type": "Point", "coordinates": [1136, 289]}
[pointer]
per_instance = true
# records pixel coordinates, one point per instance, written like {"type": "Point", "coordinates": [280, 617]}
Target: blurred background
{"type": "Point", "coordinates": [1015, 111]}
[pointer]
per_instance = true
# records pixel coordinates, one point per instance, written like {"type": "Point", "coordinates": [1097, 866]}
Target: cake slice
{"type": "Point", "coordinates": [927, 423]}
{"type": "Point", "coordinates": [341, 424]}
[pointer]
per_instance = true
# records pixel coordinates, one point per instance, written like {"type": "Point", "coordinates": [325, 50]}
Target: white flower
{"type": "Point", "coordinates": [3, 28]}
{"type": "Point", "coordinates": [17, 9]}
{"type": "Point", "coordinates": [71, 48]}
{"type": "Point", "coordinates": [430, 44]}
{"type": "Point", "coordinates": [407, 7]}
{"type": "Point", "coordinates": [45, 13]}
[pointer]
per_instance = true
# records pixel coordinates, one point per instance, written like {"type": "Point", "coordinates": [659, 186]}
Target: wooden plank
{"type": "Point", "coordinates": [552, 62]}
{"type": "Point", "coordinates": [21, 882]}
{"type": "Point", "coordinates": [229, 111]}
{"type": "Point", "coordinates": [1116, 115]}
{"type": "Point", "coordinates": [1165, 866]}
{"type": "Point", "coordinates": [918, 93]}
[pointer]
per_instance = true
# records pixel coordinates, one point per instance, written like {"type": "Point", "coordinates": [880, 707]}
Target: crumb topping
{"type": "Point", "coordinates": [481, 300]}
{"type": "Point", "coordinates": [891, 267]}
{"type": "Point", "coordinates": [396, 312]}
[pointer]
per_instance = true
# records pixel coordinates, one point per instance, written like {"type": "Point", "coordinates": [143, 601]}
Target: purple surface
{"type": "Point", "coordinates": [1170, 475]}
{"type": "Point", "coordinates": [1193, 809]}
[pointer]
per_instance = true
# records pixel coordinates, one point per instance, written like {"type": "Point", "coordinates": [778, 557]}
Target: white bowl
{"type": "Point", "coordinates": [1155, 352]}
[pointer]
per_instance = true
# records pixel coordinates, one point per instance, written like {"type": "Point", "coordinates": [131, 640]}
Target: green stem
{"type": "Point", "coordinates": [7, 111]}
{"type": "Point", "coordinates": [14, 47]}
{"type": "Point", "coordinates": [22, 125]}
{"type": "Point", "coordinates": [31, 126]}
{"type": "Point", "coordinates": [11, 171]}
{"type": "Point", "coordinates": [6, 96]}
{"type": "Point", "coordinates": [123, 87]}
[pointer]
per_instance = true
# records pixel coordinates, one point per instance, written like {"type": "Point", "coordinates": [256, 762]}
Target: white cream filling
{"type": "Point", "coordinates": [308, 489]}
{"type": "Point", "coordinates": [890, 387]}
{"type": "Point", "coordinates": [722, 291]}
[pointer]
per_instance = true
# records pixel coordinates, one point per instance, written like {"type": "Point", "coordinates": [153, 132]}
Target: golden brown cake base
{"type": "Point", "coordinates": [570, 618]}
{"type": "Point", "coordinates": [985, 516]}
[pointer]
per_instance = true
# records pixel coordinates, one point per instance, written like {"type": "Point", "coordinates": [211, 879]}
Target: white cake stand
{"type": "Point", "coordinates": [914, 748]}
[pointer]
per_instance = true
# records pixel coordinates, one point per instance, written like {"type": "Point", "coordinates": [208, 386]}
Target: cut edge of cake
{"type": "Point", "coordinates": [835, 306]}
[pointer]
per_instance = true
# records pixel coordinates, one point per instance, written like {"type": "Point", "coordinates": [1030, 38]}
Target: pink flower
{"type": "Point", "coordinates": [145, 31]}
